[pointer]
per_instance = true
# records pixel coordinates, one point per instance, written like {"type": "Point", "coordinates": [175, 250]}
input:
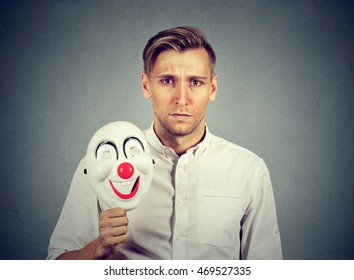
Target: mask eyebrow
{"type": "Point", "coordinates": [127, 140]}
{"type": "Point", "coordinates": [107, 143]}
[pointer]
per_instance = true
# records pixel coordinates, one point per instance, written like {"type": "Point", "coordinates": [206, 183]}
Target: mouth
{"type": "Point", "coordinates": [132, 192]}
{"type": "Point", "coordinates": [181, 116]}
{"type": "Point", "coordinates": [181, 113]}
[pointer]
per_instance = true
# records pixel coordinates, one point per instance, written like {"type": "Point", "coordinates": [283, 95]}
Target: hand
{"type": "Point", "coordinates": [113, 228]}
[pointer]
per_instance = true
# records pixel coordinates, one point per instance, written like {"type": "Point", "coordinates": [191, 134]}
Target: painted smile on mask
{"type": "Point", "coordinates": [132, 193]}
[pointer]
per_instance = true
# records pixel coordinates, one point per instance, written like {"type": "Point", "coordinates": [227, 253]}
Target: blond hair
{"type": "Point", "coordinates": [178, 39]}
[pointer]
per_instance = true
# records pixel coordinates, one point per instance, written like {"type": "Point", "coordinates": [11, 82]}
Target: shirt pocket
{"type": "Point", "coordinates": [220, 215]}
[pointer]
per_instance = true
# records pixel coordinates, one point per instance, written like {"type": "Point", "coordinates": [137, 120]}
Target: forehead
{"type": "Point", "coordinates": [192, 60]}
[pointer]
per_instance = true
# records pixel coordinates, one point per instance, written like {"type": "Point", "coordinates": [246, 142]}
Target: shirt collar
{"type": "Point", "coordinates": [195, 151]}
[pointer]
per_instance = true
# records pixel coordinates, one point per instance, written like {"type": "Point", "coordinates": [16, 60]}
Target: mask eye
{"type": "Point", "coordinates": [132, 147]}
{"type": "Point", "coordinates": [106, 150]}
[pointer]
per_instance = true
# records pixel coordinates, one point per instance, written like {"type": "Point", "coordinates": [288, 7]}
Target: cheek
{"type": "Point", "coordinates": [201, 106]}
{"type": "Point", "coordinates": [161, 104]}
{"type": "Point", "coordinates": [100, 171]}
{"type": "Point", "coordinates": [162, 94]}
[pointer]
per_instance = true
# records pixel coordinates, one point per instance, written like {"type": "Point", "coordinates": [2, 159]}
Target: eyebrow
{"type": "Point", "coordinates": [194, 77]}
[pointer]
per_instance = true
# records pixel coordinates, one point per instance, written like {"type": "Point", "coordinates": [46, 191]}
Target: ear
{"type": "Point", "coordinates": [214, 88]}
{"type": "Point", "coordinates": [145, 85]}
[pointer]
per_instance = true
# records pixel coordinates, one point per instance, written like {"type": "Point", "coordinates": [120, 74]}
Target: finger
{"type": "Point", "coordinates": [113, 212]}
{"type": "Point", "coordinates": [112, 241]}
{"type": "Point", "coordinates": [113, 222]}
{"type": "Point", "coordinates": [115, 231]}
{"type": "Point", "coordinates": [117, 247]}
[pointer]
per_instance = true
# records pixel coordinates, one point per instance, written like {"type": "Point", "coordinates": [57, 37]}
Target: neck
{"type": "Point", "coordinates": [180, 143]}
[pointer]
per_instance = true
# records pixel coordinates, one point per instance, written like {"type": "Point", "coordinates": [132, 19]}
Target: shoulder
{"type": "Point", "coordinates": [235, 157]}
{"type": "Point", "coordinates": [223, 145]}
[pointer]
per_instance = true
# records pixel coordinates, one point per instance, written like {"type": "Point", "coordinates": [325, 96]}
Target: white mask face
{"type": "Point", "coordinates": [119, 165]}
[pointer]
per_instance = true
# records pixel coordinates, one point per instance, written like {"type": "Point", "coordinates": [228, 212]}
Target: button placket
{"type": "Point", "coordinates": [181, 210]}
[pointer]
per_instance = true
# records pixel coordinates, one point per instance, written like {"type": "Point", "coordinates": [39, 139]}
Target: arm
{"type": "Point", "coordinates": [113, 232]}
{"type": "Point", "coordinates": [82, 231]}
{"type": "Point", "coordinates": [89, 252]}
{"type": "Point", "coordinates": [260, 238]}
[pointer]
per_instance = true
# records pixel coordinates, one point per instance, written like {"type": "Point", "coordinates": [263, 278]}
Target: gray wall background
{"type": "Point", "coordinates": [286, 92]}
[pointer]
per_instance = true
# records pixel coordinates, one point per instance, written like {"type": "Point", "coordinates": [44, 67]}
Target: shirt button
{"type": "Point", "coordinates": [180, 201]}
{"type": "Point", "coordinates": [181, 165]}
{"type": "Point", "coordinates": [179, 237]}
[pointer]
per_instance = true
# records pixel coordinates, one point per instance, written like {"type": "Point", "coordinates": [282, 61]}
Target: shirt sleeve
{"type": "Point", "coordinates": [260, 237]}
{"type": "Point", "coordinates": [78, 222]}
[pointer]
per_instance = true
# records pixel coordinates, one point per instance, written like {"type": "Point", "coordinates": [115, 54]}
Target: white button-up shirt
{"type": "Point", "coordinates": [213, 202]}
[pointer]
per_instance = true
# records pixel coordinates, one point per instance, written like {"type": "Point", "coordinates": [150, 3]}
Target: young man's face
{"type": "Point", "coordinates": [180, 85]}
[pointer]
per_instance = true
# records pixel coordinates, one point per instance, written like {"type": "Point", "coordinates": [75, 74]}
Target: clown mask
{"type": "Point", "coordinates": [119, 165]}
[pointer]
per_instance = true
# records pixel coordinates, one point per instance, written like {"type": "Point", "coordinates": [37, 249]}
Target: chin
{"type": "Point", "coordinates": [181, 131]}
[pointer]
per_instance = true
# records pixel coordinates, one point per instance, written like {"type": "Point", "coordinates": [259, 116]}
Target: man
{"type": "Point", "coordinates": [209, 198]}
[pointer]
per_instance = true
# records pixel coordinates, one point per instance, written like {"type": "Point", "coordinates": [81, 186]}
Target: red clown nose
{"type": "Point", "coordinates": [125, 170]}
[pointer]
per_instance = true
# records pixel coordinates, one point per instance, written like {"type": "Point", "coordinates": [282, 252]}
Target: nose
{"type": "Point", "coordinates": [125, 170]}
{"type": "Point", "coordinates": [181, 94]}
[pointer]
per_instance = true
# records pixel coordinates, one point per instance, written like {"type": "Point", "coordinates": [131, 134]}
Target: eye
{"type": "Point", "coordinates": [166, 81]}
{"type": "Point", "coordinates": [106, 150]}
{"type": "Point", "coordinates": [132, 147]}
{"type": "Point", "coordinates": [196, 82]}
